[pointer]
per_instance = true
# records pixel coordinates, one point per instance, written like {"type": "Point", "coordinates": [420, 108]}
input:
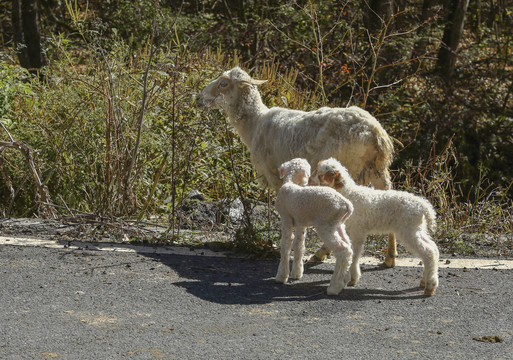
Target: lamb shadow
{"type": "Point", "coordinates": [313, 268]}
{"type": "Point", "coordinates": [232, 281]}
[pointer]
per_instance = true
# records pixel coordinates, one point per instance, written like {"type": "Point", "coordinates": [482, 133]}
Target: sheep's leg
{"type": "Point", "coordinates": [286, 243]}
{"type": "Point", "coordinates": [391, 252]}
{"type": "Point", "coordinates": [342, 252]}
{"type": "Point", "coordinates": [358, 242]}
{"type": "Point", "coordinates": [299, 252]}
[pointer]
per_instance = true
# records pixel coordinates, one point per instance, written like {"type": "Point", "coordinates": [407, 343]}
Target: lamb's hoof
{"type": "Point", "coordinates": [422, 283]}
{"type": "Point", "coordinates": [281, 279]}
{"type": "Point", "coordinates": [389, 261]}
{"type": "Point", "coordinates": [352, 282]}
{"type": "Point", "coordinates": [296, 276]}
{"type": "Point", "coordinates": [429, 292]}
{"type": "Point", "coordinates": [332, 291]}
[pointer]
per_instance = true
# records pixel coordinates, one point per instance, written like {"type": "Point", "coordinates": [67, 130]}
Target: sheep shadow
{"type": "Point", "coordinates": [239, 281]}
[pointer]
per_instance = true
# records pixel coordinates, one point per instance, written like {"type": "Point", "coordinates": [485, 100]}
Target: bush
{"type": "Point", "coordinates": [117, 132]}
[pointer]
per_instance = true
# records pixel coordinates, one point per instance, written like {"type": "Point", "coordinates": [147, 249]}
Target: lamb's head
{"type": "Point", "coordinates": [330, 173]}
{"type": "Point", "coordinates": [225, 91]}
{"type": "Point", "coordinates": [296, 171]}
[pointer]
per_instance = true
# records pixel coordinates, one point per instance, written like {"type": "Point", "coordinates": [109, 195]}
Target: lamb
{"type": "Point", "coordinates": [384, 211]}
{"type": "Point", "coordinates": [275, 135]}
{"type": "Point", "coordinates": [321, 207]}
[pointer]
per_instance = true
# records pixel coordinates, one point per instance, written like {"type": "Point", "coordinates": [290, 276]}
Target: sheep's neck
{"type": "Point", "coordinates": [245, 113]}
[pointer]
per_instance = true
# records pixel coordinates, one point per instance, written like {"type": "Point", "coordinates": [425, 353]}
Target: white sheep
{"type": "Point", "coordinates": [275, 135]}
{"type": "Point", "coordinates": [323, 208]}
{"type": "Point", "coordinates": [384, 211]}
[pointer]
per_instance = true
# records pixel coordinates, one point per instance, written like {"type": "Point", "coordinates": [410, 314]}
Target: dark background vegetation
{"type": "Point", "coordinates": [98, 115]}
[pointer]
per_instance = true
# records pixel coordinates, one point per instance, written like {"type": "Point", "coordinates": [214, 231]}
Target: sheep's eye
{"type": "Point", "coordinates": [223, 83]}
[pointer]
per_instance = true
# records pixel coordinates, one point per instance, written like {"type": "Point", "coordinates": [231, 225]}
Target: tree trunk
{"type": "Point", "coordinates": [427, 15]}
{"type": "Point", "coordinates": [378, 14]}
{"type": "Point", "coordinates": [27, 39]}
{"type": "Point", "coordinates": [451, 38]}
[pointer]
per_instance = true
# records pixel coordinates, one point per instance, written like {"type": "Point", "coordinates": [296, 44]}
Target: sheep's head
{"type": "Point", "coordinates": [295, 170]}
{"type": "Point", "coordinates": [224, 91]}
{"type": "Point", "coordinates": [329, 173]}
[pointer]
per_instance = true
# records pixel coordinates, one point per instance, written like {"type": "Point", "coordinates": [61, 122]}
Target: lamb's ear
{"type": "Point", "coordinates": [258, 82]}
{"type": "Point", "coordinates": [281, 171]}
{"type": "Point", "coordinates": [339, 182]}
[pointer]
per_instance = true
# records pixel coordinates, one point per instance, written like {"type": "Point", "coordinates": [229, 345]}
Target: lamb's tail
{"type": "Point", "coordinates": [430, 216]}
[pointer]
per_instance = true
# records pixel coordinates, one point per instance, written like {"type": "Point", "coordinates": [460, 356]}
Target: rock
{"type": "Point", "coordinates": [196, 195]}
{"type": "Point", "coordinates": [489, 339]}
{"type": "Point", "coordinates": [236, 212]}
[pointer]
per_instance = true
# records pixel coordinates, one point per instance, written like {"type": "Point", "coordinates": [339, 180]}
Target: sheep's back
{"type": "Point", "coordinates": [350, 135]}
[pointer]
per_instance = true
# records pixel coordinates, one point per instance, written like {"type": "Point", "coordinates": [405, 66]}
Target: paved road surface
{"type": "Point", "coordinates": [81, 303]}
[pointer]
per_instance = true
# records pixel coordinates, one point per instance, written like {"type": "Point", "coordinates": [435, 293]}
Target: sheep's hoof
{"type": "Point", "coordinates": [315, 258]}
{"type": "Point", "coordinates": [389, 261]}
{"type": "Point", "coordinates": [319, 256]}
{"type": "Point", "coordinates": [422, 283]}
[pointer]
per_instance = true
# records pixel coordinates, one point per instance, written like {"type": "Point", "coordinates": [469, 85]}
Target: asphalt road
{"type": "Point", "coordinates": [78, 303]}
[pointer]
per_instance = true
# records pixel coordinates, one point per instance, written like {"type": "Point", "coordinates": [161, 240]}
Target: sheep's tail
{"type": "Point", "coordinates": [385, 148]}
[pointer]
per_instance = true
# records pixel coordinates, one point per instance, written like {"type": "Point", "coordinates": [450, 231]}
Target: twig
{"type": "Point", "coordinates": [42, 194]}
{"type": "Point", "coordinates": [237, 183]}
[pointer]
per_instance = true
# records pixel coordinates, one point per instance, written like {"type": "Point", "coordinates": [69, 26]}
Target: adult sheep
{"type": "Point", "coordinates": [276, 135]}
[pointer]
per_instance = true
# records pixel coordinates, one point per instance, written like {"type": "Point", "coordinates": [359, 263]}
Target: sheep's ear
{"type": "Point", "coordinates": [338, 183]}
{"type": "Point", "coordinates": [258, 82]}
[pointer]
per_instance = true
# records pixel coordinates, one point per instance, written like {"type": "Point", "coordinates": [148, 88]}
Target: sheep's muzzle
{"type": "Point", "coordinates": [200, 101]}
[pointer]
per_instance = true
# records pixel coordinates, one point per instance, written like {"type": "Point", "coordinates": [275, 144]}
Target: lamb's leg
{"type": "Point", "coordinates": [343, 234]}
{"type": "Point", "coordinates": [345, 238]}
{"type": "Point", "coordinates": [421, 244]}
{"type": "Point", "coordinates": [299, 252]}
{"type": "Point", "coordinates": [430, 274]}
{"type": "Point", "coordinates": [358, 241]}
{"type": "Point", "coordinates": [342, 252]}
{"type": "Point", "coordinates": [382, 181]}
{"type": "Point", "coordinates": [286, 243]}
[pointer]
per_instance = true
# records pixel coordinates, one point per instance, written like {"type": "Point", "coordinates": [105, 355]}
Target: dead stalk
{"type": "Point", "coordinates": [43, 199]}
